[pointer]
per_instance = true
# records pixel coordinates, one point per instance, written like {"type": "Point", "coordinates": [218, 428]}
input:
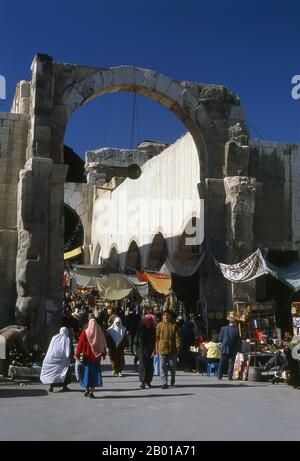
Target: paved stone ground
{"type": "Point", "coordinates": [197, 408]}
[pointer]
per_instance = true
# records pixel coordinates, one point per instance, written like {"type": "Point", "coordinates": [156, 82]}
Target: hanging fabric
{"type": "Point", "coordinates": [249, 269]}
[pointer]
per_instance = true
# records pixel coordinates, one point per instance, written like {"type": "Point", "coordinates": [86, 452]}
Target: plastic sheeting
{"type": "Point", "coordinates": [184, 268]}
{"type": "Point", "coordinates": [115, 287]}
{"type": "Point", "coordinates": [290, 275]}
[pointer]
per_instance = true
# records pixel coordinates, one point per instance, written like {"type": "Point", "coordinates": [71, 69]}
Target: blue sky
{"type": "Point", "coordinates": [250, 46]}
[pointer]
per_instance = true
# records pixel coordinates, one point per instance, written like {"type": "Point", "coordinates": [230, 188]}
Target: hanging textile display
{"type": "Point", "coordinates": [249, 269]}
{"type": "Point", "coordinates": [256, 266]}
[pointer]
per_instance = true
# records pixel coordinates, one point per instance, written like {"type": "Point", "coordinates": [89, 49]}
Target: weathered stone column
{"type": "Point", "coordinates": [40, 214]}
{"type": "Point", "coordinates": [31, 268]}
{"type": "Point", "coordinates": [239, 211]}
{"type": "Point", "coordinates": [13, 137]}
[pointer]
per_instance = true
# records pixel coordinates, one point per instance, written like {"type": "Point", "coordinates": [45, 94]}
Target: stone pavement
{"type": "Point", "coordinates": [197, 408]}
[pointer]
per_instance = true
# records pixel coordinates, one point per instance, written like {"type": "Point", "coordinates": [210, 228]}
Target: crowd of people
{"type": "Point", "coordinates": [160, 343]}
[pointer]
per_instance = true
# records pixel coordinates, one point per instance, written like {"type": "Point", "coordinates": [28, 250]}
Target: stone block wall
{"type": "Point", "coordinates": [277, 205]}
{"type": "Point", "coordinates": [13, 137]}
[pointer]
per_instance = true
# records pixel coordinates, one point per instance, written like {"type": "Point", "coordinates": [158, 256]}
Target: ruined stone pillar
{"type": "Point", "coordinates": [32, 222]}
{"type": "Point", "coordinates": [13, 131]}
{"type": "Point", "coordinates": [239, 217]}
{"type": "Point", "coordinates": [40, 214]}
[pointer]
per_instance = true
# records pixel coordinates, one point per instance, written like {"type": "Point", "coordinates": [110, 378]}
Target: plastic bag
{"type": "Point", "coordinates": [78, 370]}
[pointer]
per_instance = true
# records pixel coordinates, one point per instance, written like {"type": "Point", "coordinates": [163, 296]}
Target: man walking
{"type": "Point", "coordinates": [230, 345]}
{"type": "Point", "coordinates": [168, 343]}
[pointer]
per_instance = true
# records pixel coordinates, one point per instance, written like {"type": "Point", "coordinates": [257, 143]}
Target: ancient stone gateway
{"type": "Point", "coordinates": [47, 102]}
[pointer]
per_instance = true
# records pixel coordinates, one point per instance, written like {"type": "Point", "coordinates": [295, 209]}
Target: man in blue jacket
{"type": "Point", "coordinates": [231, 344]}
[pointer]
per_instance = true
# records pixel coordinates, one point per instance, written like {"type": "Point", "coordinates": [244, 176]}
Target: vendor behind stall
{"type": "Point", "coordinates": [14, 336]}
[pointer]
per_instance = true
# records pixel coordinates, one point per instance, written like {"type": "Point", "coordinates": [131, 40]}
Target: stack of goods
{"type": "Point", "coordinates": [296, 318]}
{"type": "Point", "coordinates": [259, 323]}
{"type": "Point", "coordinates": [21, 366]}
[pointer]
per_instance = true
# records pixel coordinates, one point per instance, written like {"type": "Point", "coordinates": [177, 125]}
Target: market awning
{"type": "Point", "coordinates": [141, 287]}
{"type": "Point", "coordinates": [184, 267]}
{"type": "Point", "coordinates": [160, 283]}
{"type": "Point", "coordinates": [72, 254]}
{"type": "Point", "coordinates": [115, 287]}
{"type": "Point", "coordinates": [290, 275]}
{"type": "Point", "coordinates": [92, 270]}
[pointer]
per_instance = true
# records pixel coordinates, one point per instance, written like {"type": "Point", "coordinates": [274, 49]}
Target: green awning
{"type": "Point", "coordinates": [290, 275]}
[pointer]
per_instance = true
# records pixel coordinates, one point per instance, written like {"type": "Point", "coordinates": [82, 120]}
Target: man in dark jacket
{"type": "Point", "coordinates": [230, 345]}
{"type": "Point", "coordinates": [144, 348]}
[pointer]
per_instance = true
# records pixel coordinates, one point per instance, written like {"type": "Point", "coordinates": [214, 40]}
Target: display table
{"type": "Point", "coordinates": [246, 360]}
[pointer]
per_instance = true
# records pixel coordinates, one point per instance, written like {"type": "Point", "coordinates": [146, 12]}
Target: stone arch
{"type": "Point", "coordinates": [97, 254]}
{"type": "Point", "coordinates": [113, 258]}
{"type": "Point", "coordinates": [76, 221]}
{"type": "Point", "coordinates": [56, 90]}
{"type": "Point", "coordinates": [79, 197]}
{"type": "Point", "coordinates": [83, 84]}
{"type": "Point", "coordinates": [158, 252]}
{"type": "Point", "coordinates": [133, 257]}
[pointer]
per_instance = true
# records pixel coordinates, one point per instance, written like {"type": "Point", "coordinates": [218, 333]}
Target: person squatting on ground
{"type": "Point", "coordinates": [231, 344]}
{"type": "Point", "coordinates": [90, 349]}
{"type": "Point", "coordinates": [144, 348]}
{"type": "Point", "coordinates": [117, 341]}
{"type": "Point", "coordinates": [168, 343]}
{"type": "Point", "coordinates": [56, 364]}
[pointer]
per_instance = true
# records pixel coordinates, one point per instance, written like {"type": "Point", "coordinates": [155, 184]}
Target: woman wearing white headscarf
{"type": "Point", "coordinates": [56, 364]}
{"type": "Point", "coordinates": [116, 341]}
{"type": "Point", "coordinates": [90, 349]}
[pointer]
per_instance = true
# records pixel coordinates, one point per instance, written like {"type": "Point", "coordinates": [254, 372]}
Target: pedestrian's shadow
{"type": "Point", "coordinates": [11, 393]}
{"type": "Point", "coordinates": [220, 386]}
{"type": "Point", "coordinates": [142, 396]}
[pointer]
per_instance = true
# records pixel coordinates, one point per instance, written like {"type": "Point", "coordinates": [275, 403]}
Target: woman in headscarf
{"type": "Point", "coordinates": [56, 364]}
{"type": "Point", "coordinates": [116, 341]}
{"type": "Point", "coordinates": [91, 347]}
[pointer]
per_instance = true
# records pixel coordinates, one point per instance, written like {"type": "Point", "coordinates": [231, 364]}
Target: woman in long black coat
{"type": "Point", "coordinates": [144, 348]}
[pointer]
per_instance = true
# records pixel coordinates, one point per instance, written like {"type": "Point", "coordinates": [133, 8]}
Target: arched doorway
{"type": "Point", "coordinates": [74, 231]}
{"type": "Point", "coordinates": [113, 259]}
{"type": "Point", "coordinates": [158, 253]}
{"type": "Point", "coordinates": [133, 258]}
